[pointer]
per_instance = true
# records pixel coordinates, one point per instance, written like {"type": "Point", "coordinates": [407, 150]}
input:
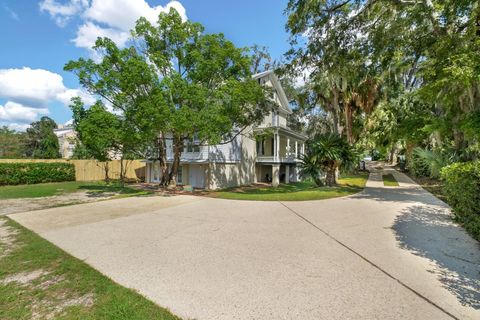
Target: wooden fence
{"type": "Point", "coordinates": [92, 170]}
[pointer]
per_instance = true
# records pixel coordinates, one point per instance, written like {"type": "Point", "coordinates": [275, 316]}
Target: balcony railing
{"type": "Point", "coordinates": [273, 159]}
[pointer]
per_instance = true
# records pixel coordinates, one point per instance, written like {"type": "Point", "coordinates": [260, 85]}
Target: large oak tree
{"type": "Point", "coordinates": [173, 84]}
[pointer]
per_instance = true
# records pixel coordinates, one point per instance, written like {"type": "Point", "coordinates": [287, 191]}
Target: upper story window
{"type": "Point", "coordinates": [192, 145]}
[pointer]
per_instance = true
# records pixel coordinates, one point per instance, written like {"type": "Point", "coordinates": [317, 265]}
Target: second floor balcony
{"type": "Point", "coordinates": [283, 146]}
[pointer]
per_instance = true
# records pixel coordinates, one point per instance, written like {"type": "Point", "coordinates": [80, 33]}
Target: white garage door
{"type": "Point", "coordinates": [196, 176]}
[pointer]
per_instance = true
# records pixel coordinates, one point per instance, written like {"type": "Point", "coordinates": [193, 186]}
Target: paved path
{"type": "Point", "coordinates": [386, 253]}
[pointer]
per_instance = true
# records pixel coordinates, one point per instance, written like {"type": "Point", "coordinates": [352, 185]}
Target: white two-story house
{"type": "Point", "coordinates": [247, 159]}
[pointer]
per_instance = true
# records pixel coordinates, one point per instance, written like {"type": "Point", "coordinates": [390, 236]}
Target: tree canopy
{"type": "Point", "coordinates": [12, 143]}
{"type": "Point", "coordinates": [400, 73]}
{"type": "Point", "coordinates": [175, 83]}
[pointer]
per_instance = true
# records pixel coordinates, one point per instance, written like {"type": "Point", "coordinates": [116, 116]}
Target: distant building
{"type": "Point", "coordinates": [66, 139]}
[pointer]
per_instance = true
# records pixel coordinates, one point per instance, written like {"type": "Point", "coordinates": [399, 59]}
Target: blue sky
{"type": "Point", "coordinates": [39, 37]}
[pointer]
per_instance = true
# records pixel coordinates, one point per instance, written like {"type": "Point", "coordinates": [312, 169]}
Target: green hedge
{"type": "Point", "coordinates": [35, 172]}
{"type": "Point", "coordinates": [462, 188]}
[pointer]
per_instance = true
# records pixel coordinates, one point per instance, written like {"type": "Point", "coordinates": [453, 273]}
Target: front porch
{"type": "Point", "coordinates": [277, 173]}
{"type": "Point", "coordinates": [278, 155]}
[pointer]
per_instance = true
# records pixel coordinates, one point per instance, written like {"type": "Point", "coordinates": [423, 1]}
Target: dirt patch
{"type": "Point", "coordinates": [53, 303]}
{"type": "Point", "coordinates": [24, 278]}
{"type": "Point", "coordinates": [7, 239]}
{"type": "Point", "coordinates": [50, 282]}
{"type": "Point", "coordinates": [22, 205]}
{"type": "Point", "coordinates": [51, 309]}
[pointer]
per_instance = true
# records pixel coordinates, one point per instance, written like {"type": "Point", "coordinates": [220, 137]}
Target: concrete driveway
{"type": "Point", "coordinates": [386, 253]}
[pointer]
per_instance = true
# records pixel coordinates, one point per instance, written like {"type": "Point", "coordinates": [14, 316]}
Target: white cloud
{"type": "Point", "coordinates": [62, 12]}
{"type": "Point", "coordinates": [29, 92]}
{"type": "Point", "coordinates": [122, 14]}
{"type": "Point", "coordinates": [106, 18]}
{"type": "Point", "coordinates": [15, 112]}
{"type": "Point", "coordinates": [66, 96]}
{"type": "Point", "coordinates": [88, 33]}
{"type": "Point", "coordinates": [30, 86]}
{"type": "Point", "coordinates": [37, 87]}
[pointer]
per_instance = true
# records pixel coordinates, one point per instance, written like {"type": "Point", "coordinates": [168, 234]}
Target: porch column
{"type": "Point", "coordinates": [274, 150]}
{"type": "Point", "coordinates": [303, 148]}
{"type": "Point", "coordinates": [287, 173]}
{"type": "Point", "coordinates": [278, 147]}
{"type": "Point", "coordinates": [275, 175]}
{"type": "Point", "coordinates": [296, 149]}
{"type": "Point", "coordinates": [288, 148]}
{"type": "Point", "coordinates": [148, 168]}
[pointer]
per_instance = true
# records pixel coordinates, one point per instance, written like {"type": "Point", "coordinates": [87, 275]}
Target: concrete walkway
{"type": "Point", "coordinates": [385, 253]}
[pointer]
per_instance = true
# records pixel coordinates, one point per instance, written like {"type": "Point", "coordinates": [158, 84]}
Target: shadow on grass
{"type": "Point", "coordinates": [267, 189]}
{"type": "Point", "coordinates": [429, 232]}
{"type": "Point", "coordinates": [348, 183]}
{"type": "Point", "coordinates": [99, 191]}
{"type": "Point", "coordinates": [297, 191]}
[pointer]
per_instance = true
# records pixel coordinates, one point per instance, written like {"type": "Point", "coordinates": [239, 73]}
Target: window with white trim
{"type": "Point", "coordinates": [192, 145]}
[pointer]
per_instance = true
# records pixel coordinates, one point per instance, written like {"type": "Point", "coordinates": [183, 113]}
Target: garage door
{"type": "Point", "coordinates": [196, 176]}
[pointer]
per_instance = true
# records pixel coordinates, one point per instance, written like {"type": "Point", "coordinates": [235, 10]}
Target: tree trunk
{"type": "Point", "coordinates": [392, 159]}
{"type": "Point", "coordinates": [409, 152]}
{"type": "Point", "coordinates": [177, 153]}
{"type": "Point", "coordinates": [107, 169]}
{"type": "Point", "coordinates": [331, 179]}
{"type": "Point", "coordinates": [335, 113]}
{"type": "Point", "coordinates": [336, 124]}
{"type": "Point", "coordinates": [122, 178]}
{"type": "Point", "coordinates": [162, 159]}
{"type": "Point", "coordinates": [349, 122]}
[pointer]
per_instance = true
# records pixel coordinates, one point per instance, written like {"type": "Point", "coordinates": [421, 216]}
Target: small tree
{"type": "Point", "coordinates": [325, 154]}
{"type": "Point", "coordinates": [97, 130]}
{"type": "Point", "coordinates": [41, 142]}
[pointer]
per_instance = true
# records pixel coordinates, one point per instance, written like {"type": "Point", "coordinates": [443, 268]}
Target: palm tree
{"type": "Point", "coordinates": [326, 154]}
{"type": "Point", "coordinates": [309, 168]}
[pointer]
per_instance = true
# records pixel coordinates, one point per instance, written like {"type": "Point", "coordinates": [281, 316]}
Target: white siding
{"type": "Point", "coordinates": [230, 152]}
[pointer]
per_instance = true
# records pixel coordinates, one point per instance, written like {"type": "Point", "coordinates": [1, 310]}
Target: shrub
{"type": "Point", "coordinates": [417, 166]}
{"type": "Point", "coordinates": [462, 189]}
{"type": "Point", "coordinates": [35, 172]}
{"type": "Point", "coordinates": [429, 163]}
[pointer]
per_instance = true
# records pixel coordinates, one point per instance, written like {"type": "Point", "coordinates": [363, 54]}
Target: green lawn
{"type": "Point", "coordinates": [389, 180]}
{"type": "Point", "coordinates": [299, 191]}
{"type": "Point", "coordinates": [60, 286]}
{"type": "Point", "coordinates": [51, 189]}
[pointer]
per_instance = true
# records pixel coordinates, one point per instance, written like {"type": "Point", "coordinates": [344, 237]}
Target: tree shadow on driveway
{"type": "Point", "coordinates": [429, 232]}
{"type": "Point", "coordinates": [404, 195]}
